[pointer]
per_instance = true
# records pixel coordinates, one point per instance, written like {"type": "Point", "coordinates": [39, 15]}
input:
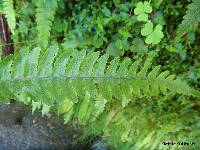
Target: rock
{"type": "Point", "coordinates": [20, 130]}
{"type": "Point", "coordinates": [98, 145]}
{"type": "Point", "coordinates": [1, 145]}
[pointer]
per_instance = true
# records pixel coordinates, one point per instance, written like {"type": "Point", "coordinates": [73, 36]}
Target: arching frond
{"type": "Point", "coordinates": [87, 87]}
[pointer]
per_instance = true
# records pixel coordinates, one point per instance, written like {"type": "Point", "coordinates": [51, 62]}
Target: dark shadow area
{"type": "Point", "coordinates": [20, 130]}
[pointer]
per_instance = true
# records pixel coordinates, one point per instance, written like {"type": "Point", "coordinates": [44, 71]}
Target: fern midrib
{"type": "Point", "coordinates": [74, 77]}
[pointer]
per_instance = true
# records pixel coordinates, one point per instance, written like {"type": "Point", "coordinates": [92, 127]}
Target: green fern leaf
{"type": "Point", "coordinates": [45, 109]}
{"type": "Point", "coordinates": [9, 12]}
{"type": "Point", "coordinates": [35, 106]}
{"type": "Point", "coordinates": [82, 85]}
{"type": "Point", "coordinates": [41, 72]}
{"type": "Point", "coordinates": [68, 115]}
{"type": "Point", "coordinates": [44, 17]}
{"type": "Point", "coordinates": [84, 107]}
{"type": "Point", "coordinates": [190, 20]}
{"type": "Point", "coordinates": [100, 104]}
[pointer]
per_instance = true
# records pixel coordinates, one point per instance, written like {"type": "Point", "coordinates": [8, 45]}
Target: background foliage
{"type": "Point", "coordinates": [162, 32]}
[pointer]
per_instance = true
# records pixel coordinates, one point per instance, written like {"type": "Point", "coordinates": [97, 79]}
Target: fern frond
{"type": "Point", "coordinates": [191, 19]}
{"type": "Point", "coordinates": [9, 12]}
{"type": "Point", "coordinates": [44, 17]}
{"type": "Point", "coordinates": [87, 87]}
{"type": "Point", "coordinates": [54, 76]}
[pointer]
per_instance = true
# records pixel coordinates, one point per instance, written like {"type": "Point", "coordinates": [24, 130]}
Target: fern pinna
{"type": "Point", "coordinates": [44, 17]}
{"type": "Point", "coordinates": [191, 19]}
{"type": "Point", "coordinates": [87, 87]}
{"type": "Point", "coordinates": [8, 10]}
